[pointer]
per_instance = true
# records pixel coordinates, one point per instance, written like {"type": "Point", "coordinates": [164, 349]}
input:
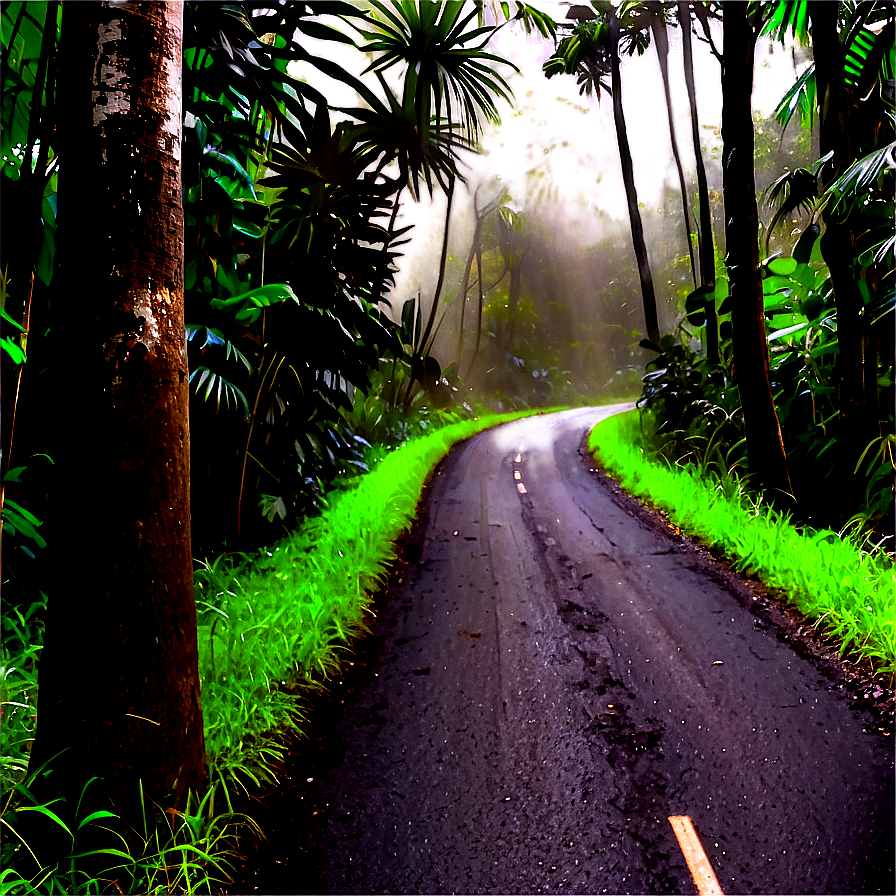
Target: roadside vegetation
{"type": "Point", "coordinates": [274, 625]}
{"type": "Point", "coordinates": [277, 622]}
{"type": "Point", "coordinates": [832, 577]}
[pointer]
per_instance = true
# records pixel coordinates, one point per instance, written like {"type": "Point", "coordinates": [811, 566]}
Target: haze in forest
{"type": "Point", "coordinates": [553, 162]}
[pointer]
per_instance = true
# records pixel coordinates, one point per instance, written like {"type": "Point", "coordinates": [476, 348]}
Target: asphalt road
{"type": "Point", "coordinates": [551, 681]}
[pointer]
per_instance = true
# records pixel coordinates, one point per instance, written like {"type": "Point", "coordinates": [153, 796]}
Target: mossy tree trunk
{"type": "Point", "coordinates": [119, 682]}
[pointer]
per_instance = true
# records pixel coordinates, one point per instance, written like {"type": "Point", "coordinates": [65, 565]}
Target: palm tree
{"type": "Point", "coordinates": [450, 82]}
{"type": "Point", "coordinates": [765, 445]}
{"type": "Point", "coordinates": [592, 51]}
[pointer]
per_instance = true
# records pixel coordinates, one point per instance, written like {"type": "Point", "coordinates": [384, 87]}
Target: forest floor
{"type": "Point", "coordinates": [552, 673]}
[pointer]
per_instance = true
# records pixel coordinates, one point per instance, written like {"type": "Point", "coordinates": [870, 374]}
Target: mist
{"type": "Point", "coordinates": [569, 327]}
{"type": "Point", "coordinates": [554, 162]}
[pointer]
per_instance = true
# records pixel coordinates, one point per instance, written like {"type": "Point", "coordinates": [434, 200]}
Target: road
{"type": "Point", "coordinates": [551, 681]}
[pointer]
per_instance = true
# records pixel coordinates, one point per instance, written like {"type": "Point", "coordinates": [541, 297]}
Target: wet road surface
{"type": "Point", "coordinates": [548, 684]}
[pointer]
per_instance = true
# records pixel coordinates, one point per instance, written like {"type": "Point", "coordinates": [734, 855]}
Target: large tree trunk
{"type": "Point", "coordinates": [858, 427]}
{"type": "Point", "coordinates": [119, 682]}
{"type": "Point", "coordinates": [765, 446]}
{"type": "Point", "coordinates": [648, 294]}
{"type": "Point", "coordinates": [704, 231]}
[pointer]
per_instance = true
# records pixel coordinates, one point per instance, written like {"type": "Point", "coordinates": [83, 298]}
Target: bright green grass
{"type": "Point", "coordinates": [827, 577]}
{"type": "Point", "coordinates": [270, 628]}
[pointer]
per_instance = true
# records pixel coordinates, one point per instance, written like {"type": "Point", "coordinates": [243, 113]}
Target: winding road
{"type": "Point", "coordinates": [551, 681]}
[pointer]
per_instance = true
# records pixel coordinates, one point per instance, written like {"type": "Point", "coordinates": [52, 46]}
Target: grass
{"type": "Point", "coordinates": [271, 626]}
{"type": "Point", "coordinates": [278, 624]}
{"type": "Point", "coordinates": [826, 575]}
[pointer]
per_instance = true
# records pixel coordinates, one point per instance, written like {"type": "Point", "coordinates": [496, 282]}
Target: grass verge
{"type": "Point", "coordinates": [848, 592]}
{"type": "Point", "coordinates": [277, 624]}
{"type": "Point", "coordinates": [271, 625]}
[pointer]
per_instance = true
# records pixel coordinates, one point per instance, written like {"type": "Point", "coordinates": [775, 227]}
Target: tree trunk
{"type": "Point", "coordinates": [704, 230]}
{"type": "Point", "coordinates": [119, 682]}
{"type": "Point", "coordinates": [480, 214]}
{"type": "Point", "coordinates": [661, 43]}
{"type": "Point", "coordinates": [838, 249]}
{"type": "Point", "coordinates": [765, 446]}
{"type": "Point", "coordinates": [648, 294]}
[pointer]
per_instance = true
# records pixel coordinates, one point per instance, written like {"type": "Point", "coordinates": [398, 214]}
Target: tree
{"type": "Point", "coordinates": [480, 213]}
{"type": "Point", "coordinates": [657, 20]}
{"type": "Point", "coordinates": [704, 231]}
{"type": "Point", "coordinates": [839, 110]}
{"type": "Point", "coordinates": [450, 82]}
{"type": "Point", "coordinates": [591, 52]}
{"type": "Point", "coordinates": [119, 685]}
{"type": "Point", "coordinates": [765, 445]}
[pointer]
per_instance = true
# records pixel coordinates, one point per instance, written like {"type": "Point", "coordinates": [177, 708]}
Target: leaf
{"type": "Point", "coordinates": [773, 285]}
{"type": "Point", "coordinates": [787, 331]}
{"type": "Point", "coordinates": [13, 350]}
{"type": "Point", "coordinates": [222, 388]}
{"type": "Point", "coordinates": [695, 304]}
{"type": "Point", "coordinates": [255, 299]}
{"type": "Point", "coordinates": [782, 266]}
{"type": "Point", "coordinates": [9, 320]}
{"type": "Point", "coordinates": [95, 816]}
{"type": "Point", "coordinates": [271, 506]}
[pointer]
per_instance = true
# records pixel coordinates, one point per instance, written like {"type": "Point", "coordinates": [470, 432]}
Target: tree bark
{"type": "Point", "coordinates": [838, 249]}
{"type": "Point", "coordinates": [648, 294]}
{"type": "Point", "coordinates": [119, 682]}
{"type": "Point", "coordinates": [765, 446]}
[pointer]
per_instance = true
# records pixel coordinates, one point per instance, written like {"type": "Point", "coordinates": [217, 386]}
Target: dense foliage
{"type": "Point", "coordinates": [828, 289]}
{"type": "Point", "coordinates": [837, 481]}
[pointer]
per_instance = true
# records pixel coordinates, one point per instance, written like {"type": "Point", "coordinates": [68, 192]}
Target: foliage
{"type": "Point", "coordinates": [273, 625]}
{"type": "Point", "coordinates": [278, 193]}
{"type": "Point", "coordinates": [848, 592]}
{"type": "Point", "coordinates": [697, 404]}
{"type": "Point", "coordinates": [192, 851]}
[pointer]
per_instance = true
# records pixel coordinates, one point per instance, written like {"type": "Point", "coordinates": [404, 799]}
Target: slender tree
{"type": "Point", "coordinates": [475, 253]}
{"type": "Point", "coordinates": [765, 445]}
{"type": "Point", "coordinates": [648, 293]}
{"type": "Point", "coordinates": [705, 251]}
{"type": "Point", "coordinates": [590, 52]}
{"type": "Point", "coordinates": [661, 45]}
{"type": "Point", "coordinates": [119, 685]}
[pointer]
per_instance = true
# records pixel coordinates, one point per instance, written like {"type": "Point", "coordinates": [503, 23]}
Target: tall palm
{"type": "Point", "coordinates": [450, 82]}
{"type": "Point", "coordinates": [704, 230]}
{"type": "Point", "coordinates": [591, 52]}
